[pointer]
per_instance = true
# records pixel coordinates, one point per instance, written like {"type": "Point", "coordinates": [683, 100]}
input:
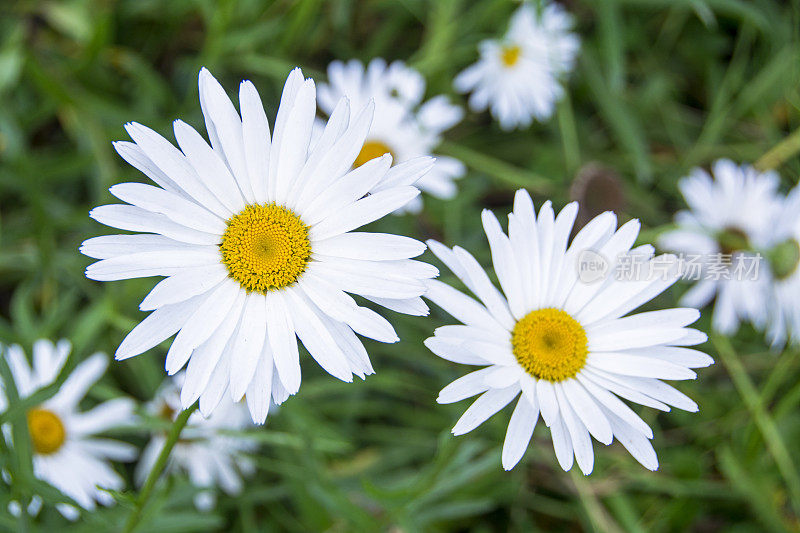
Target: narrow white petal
{"type": "Point", "coordinates": [132, 218]}
{"type": "Point", "coordinates": [186, 283]}
{"type": "Point", "coordinates": [201, 324]}
{"type": "Point", "coordinates": [256, 136]}
{"type": "Point", "coordinates": [158, 326]}
{"type": "Point", "coordinates": [248, 346]}
{"type": "Point", "coordinates": [169, 204]}
{"type": "Point", "coordinates": [363, 212]}
{"type": "Point", "coordinates": [587, 410]}
{"type": "Point", "coordinates": [283, 342]}
{"type": "Point", "coordinates": [485, 406]}
{"type": "Point", "coordinates": [519, 433]}
{"type": "Point", "coordinates": [465, 386]}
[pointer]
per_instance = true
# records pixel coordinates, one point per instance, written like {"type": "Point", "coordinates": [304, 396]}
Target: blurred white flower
{"type": "Point", "coordinates": [783, 254]}
{"type": "Point", "coordinates": [255, 238]}
{"type": "Point", "coordinates": [730, 218]}
{"type": "Point", "coordinates": [66, 451]}
{"type": "Point", "coordinates": [206, 451]}
{"type": "Point", "coordinates": [519, 76]}
{"type": "Point", "coordinates": [403, 126]}
{"type": "Point", "coordinates": [563, 343]}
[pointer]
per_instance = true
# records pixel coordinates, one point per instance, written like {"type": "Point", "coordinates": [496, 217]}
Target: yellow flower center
{"type": "Point", "coordinates": [47, 431]}
{"type": "Point", "coordinates": [549, 344]}
{"type": "Point", "coordinates": [265, 247]}
{"type": "Point", "coordinates": [509, 55]}
{"type": "Point", "coordinates": [371, 150]}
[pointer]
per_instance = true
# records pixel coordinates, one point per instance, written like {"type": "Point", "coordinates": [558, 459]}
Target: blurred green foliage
{"type": "Point", "coordinates": [661, 86]}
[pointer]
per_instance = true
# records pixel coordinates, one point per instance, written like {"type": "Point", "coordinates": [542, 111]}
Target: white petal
{"type": "Point", "coordinates": [370, 246]}
{"type": "Point", "coordinates": [363, 212]}
{"type": "Point", "coordinates": [316, 337]}
{"type": "Point", "coordinates": [186, 283]}
{"type": "Point", "coordinates": [132, 218]}
{"type": "Point", "coordinates": [519, 433]}
{"type": "Point", "coordinates": [587, 410]}
{"type": "Point", "coordinates": [632, 365]}
{"type": "Point", "coordinates": [259, 392]}
{"type": "Point", "coordinates": [169, 204]}
{"type": "Point", "coordinates": [201, 324]}
{"type": "Point", "coordinates": [256, 136]}
{"type": "Point", "coordinates": [248, 346]}
{"type": "Point", "coordinates": [157, 327]}
{"type": "Point", "coordinates": [209, 167]}
{"type": "Point", "coordinates": [485, 406]}
{"type": "Point", "coordinates": [283, 342]}
{"type": "Point", "coordinates": [465, 386]}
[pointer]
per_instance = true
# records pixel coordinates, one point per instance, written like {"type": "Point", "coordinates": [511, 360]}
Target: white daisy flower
{"type": "Point", "coordinates": [403, 126]}
{"type": "Point", "coordinates": [253, 232]}
{"type": "Point", "coordinates": [519, 76]}
{"type": "Point", "coordinates": [783, 253]}
{"type": "Point", "coordinates": [205, 451]}
{"type": "Point", "coordinates": [66, 451]}
{"type": "Point", "coordinates": [730, 219]}
{"type": "Point", "coordinates": [564, 343]}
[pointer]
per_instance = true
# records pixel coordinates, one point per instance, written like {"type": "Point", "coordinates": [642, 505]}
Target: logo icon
{"type": "Point", "coordinates": [592, 266]}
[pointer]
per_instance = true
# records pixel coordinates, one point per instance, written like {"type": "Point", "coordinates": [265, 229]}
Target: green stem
{"type": "Point", "coordinates": [158, 468]}
{"type": "Point", "coordinates": [766, 425]}
{"type": "Point", "coordinates": [597, 514]}
{"type": "Point", "coordinates": [497, 168]}
{"type": "Point", "coordinates": [780, 152]}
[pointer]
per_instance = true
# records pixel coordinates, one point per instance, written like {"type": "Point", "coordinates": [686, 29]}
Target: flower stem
{"type": "Point", "coordinates": [158, 468]}
{"type": "Point", "coordinates": [766, 425]}
{"type": "Point", "coordinates": [779, 153]}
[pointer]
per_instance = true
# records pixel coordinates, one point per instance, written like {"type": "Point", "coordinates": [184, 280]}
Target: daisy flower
{"type": "Point", "coordinates": [730, 219]}
{"type": "Point", "coordinates": [404, 126]}
{"type": "Point", "coordinates": [565, 344]}
{"type": "Point", "coordinates": [519, 76]}
{"type": "Point", "coordinates": [66, 451]}
{"type": "Point", "coordinates": [255, 237]}
{"type": "Point", "coordinates": [205, 451]}
{"type": "Point", "coordinates": [783, 254]}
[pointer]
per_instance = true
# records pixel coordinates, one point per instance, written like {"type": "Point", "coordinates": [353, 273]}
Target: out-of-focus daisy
{"type": "Point", "coordinates": [519, 76]}
{"type": "Point", "coordinates": [783, 254]}
{"type": "Point", "coordinates": [253, 232]}
{"type": "Point", "coordinates": [66, 451]}
{"type": "Point", "coordinates": [561, 340]}
{"type": "Point", "coordinates": [403, 126]}
{"type": "Point", "coordinates": [210, 456]}
{"type": "Point", "coordinates": [729, 221]}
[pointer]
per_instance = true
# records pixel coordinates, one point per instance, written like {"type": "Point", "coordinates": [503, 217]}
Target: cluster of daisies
{"type": "Point", "coordinates": [738, 219]}
{"type": "Point", "coordinates": [257, 233]}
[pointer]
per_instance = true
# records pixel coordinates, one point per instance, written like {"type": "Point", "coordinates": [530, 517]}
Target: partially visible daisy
{"type": "Point", "coordinates": [729, 221]}
{"type": "Point", "coordinates": [255, 238]}
{"type": "Point", "coordinates": [564, 343]}
{"type": "Point", "coordinates": [403, 126]}
{"type": "Point", "coordinates": [66, 451]}
{"type": "Point", "coordinates": [205, 451]}
{"type": "Point", "coordinates": [783, 254]}
{"type": "Point", "coordinates": [519, 77]}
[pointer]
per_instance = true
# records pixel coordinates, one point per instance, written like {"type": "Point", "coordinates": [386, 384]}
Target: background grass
{"type": "Point", "coordinates": [660, 86]}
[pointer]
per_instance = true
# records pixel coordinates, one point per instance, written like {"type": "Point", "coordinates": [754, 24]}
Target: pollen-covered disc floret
{"type": "Point", "coordinates": [256, 232]}
{"type": "Point", "coordinates": [563, 343]}
{"type": "Point", "coordinates": [371, 150]}
{"type": "Point", "coordinates": [549, 344]}
{"type": "Point", "coordinates": [265, 247]}
{"type": "Point", "coordinates": [69, 451]}
{"type": "Point", "coordinates": [46, 430]}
